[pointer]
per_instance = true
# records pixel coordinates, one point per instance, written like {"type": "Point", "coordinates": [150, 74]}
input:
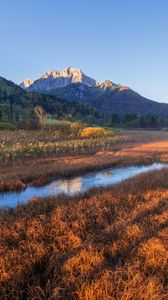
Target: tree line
{"type": "Point", "coordinates": [139, 121]}
{"type": "Point", "coordinates": [24, 108]}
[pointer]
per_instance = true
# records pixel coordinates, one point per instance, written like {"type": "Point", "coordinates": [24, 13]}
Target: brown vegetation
{"type": "Point", "coordinates": [106, 244]}
{"type": "Point", "coordinates": [11, 185]}
{"type": "Point", "coordinates": [21, 145]}
{"type": "Point", "coordinates": [39, 171]}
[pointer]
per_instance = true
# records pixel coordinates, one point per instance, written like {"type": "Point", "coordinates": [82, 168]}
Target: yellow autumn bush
{"type": "Point", "coordinates": [92, 132]}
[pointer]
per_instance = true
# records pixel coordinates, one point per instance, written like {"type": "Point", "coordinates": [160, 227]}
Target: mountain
{"type": "Point", "coordinates": [26, 83]}
{"type": "Point", "coordinates": [57, 79]}
{"type": "Point", "coordinates": [108, 97]}
{"type": "Point", "coordinates": [112, 99]}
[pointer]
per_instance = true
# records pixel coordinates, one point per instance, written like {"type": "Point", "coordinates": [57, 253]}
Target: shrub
{"type": "Point", "coordinates": [93, 132]}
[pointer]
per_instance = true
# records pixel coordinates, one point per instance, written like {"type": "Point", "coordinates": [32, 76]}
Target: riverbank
{"type": "Point", "coordinates": [76, 185]}
{"type": "Point", "coordinates": [38, 172]}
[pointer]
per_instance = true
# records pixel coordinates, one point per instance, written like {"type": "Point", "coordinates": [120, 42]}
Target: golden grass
{"type": "Point", "coordinates": [106, 244]}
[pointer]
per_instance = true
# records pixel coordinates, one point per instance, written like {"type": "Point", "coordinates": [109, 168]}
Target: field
{"type": "Point", "coordinates": [108, 243]}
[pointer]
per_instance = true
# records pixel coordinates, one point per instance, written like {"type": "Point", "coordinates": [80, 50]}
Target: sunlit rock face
{"type": "Point", "coordinates": [107, 84]}
{"type": "Point", "coordinates": [26, 83]}
{"type": "Point", "coordinates": [56, 79]}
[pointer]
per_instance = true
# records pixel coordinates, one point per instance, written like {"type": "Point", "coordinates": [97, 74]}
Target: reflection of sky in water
{"type": "Point", "coordinates": [74, 185]}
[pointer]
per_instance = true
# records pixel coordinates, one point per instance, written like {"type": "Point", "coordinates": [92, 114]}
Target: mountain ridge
{"type": "Point", "coordinates": [56, 79]}
{"type": "Point", "coordinates": [108, 97]}
{"type": "Point", "coordinates": [120, 100]}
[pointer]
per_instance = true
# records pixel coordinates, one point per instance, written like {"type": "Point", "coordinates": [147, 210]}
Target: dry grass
{"type": "Point", "coordinates": [38, 156]}
{"type": "Point", "coordinates": [21, 146]}
{"type": "Point", "coordinates": [41, 170]}
{"type": "Point", "coordinates": [107, 244]}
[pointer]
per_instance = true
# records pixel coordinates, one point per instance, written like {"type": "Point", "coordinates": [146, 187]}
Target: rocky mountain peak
{"type": "Point", "coordinates": [26, 83]}
{"type": "Point", "coordinates": [54, 79]}
{"type": "Point", "coordinates": [66, 72]}
{"type": "Point", "coordinates": [107, 84]}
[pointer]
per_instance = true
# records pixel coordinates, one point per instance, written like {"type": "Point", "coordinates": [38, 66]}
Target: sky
{"type": "Point", "coordinates": [125, 41]}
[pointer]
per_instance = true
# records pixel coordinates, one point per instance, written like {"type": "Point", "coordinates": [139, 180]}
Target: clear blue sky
{"type": "Point", "coordinates": [125, 41]}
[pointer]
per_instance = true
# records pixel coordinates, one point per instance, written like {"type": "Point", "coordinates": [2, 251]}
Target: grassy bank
{"type": "Point", "coordinates": [18, 168]}
{"type": "Point", "coordinates": [40, 171]}
{"type": "Point", "coordinates": [108, 244]}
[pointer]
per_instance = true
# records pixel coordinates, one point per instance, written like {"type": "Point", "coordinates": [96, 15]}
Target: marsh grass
{"type": "Point", "coordinates": [105, 244]}
{"type": "Point", "coordinates": [22, 145]}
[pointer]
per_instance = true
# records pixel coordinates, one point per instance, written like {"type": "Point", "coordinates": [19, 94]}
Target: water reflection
{"type": "Point", "coordinates": [107, 173]}
{"type": "Point", "coordinates": [70, 187]}
{"type": "Point", "coordinates": [74, 185]}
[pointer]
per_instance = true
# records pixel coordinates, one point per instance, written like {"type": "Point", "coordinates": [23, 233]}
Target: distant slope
{"type": "Point", "coordinates": [112, 99]}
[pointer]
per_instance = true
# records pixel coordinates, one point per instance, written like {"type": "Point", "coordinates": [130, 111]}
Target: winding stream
{"type": "Point", "coordinates": [76, 184]}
